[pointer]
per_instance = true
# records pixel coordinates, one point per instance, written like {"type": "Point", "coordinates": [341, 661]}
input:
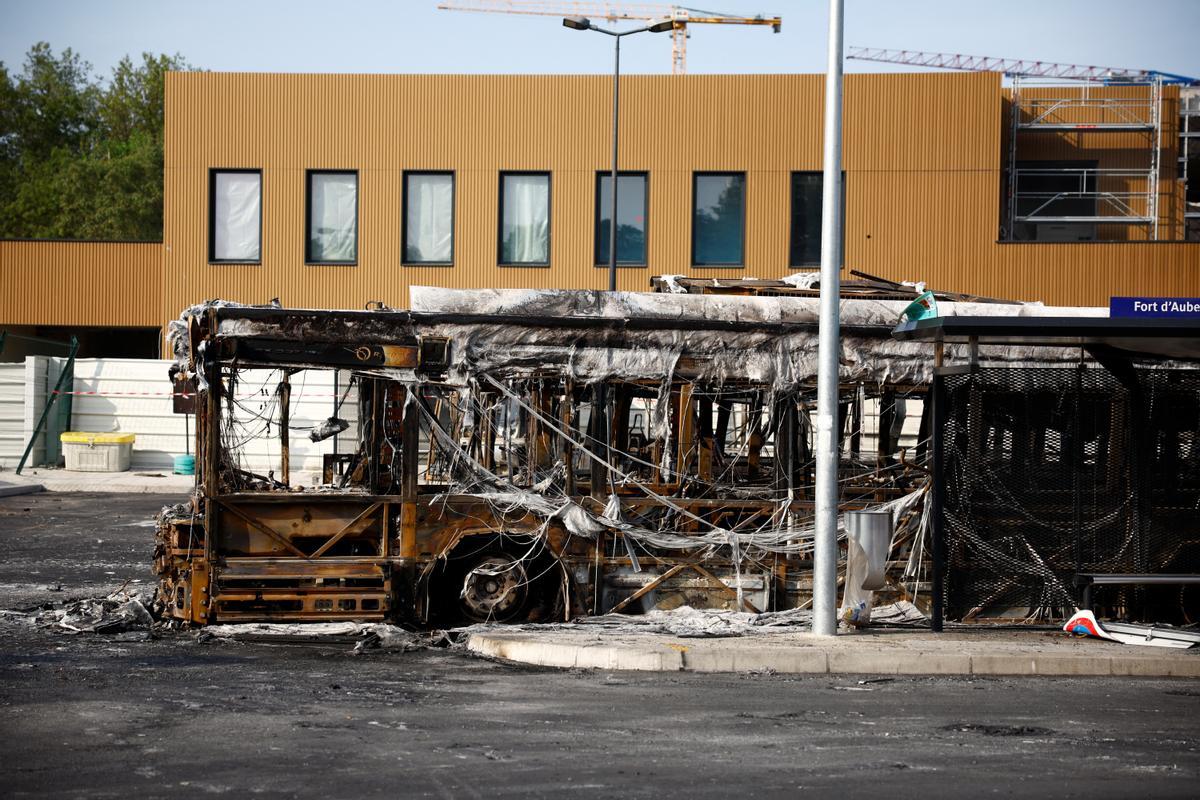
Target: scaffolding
{"type": "Point", "coordinates": [1078, 196]}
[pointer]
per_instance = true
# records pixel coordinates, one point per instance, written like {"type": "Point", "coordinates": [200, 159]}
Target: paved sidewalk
{"type": "Point", "coordinates": [61, 480]}
{"type": "Point", "coordinates": [876, 652]}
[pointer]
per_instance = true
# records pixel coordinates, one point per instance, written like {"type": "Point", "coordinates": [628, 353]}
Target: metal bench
{"type": "Point", "coordinates": [1089, 579]}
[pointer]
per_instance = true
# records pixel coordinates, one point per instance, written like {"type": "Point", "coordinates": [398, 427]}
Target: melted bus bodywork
{"type": "Point", "coordinates": [532, 455]}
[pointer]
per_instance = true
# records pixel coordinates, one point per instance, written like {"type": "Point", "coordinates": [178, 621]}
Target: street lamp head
{"type": "Point", "coordinates": [660, 27]}
{"type": "Point", "coordinates": [577, 23]}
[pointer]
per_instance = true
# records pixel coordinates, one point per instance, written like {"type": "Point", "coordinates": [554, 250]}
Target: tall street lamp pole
{"type": "Point", "coordinates": [825, 549]}
{"type": "Point", "coordinates": [583, 24]}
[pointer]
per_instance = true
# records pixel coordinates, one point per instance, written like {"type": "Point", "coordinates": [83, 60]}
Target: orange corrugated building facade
{"type": "Point", "coordinates": [925, 158]}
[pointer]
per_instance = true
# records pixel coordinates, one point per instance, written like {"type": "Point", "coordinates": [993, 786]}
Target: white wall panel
{"type": "Point", "coordinates": [12, 413]}
{"type": "Point", "coordinates": [133, 396]}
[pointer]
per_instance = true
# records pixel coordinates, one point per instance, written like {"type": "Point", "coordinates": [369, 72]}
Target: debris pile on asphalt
{"type": "Point", "coordinates": [689, 622]}
{"type": "Point", "coordinates": [126, 609]}
{"type": "Point", "coordinates": [133, 610]}
{"type": "Point", "coordinates": [365, 635]}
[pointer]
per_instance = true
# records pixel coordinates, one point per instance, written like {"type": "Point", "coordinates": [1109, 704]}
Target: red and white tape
{"type": "Point", "coordinates": [295, 395]}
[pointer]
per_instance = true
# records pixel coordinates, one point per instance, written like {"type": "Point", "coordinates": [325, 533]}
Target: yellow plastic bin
{"type": "Point", "coordinates": [97, 452]}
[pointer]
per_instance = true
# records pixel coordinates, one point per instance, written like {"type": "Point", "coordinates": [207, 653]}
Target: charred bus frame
{"type": "Point", "coordinates": [518, 466]}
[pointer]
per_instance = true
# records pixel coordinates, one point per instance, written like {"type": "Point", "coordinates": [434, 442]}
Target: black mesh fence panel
{"type": "Point", "coordinates": [1051, 472]}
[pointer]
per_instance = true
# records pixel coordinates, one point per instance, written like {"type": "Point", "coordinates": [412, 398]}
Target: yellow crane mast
{"type": "Point", "coordinates": [680, 17]}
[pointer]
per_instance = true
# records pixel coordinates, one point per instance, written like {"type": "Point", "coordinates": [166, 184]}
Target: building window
{"type": "Point", "coordinates": [1056, 201]}
{"type": "Point", "coordinates": [1191, 185]}
{"type": "Point", "coordinates": [235, 215]}
{"type": "Point", "coordinates": [719, 219]}
{"type": "Point", "coordinates": [525, 218]}
{"type": "Point", "coordinates": [332, 235]}
{"type": "Point", "coordinates": [428, 218]}
{"type": "Point", "coordinates": [807, 197]}
{"type": "Point", "coordinates": [632, 200]}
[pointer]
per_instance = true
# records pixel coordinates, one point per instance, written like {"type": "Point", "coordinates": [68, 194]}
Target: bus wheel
{"type": "Point", "coordinates": [495, 588]}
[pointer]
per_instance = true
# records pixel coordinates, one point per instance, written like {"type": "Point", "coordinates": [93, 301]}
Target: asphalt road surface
{"type": "Point", "coordinates": [94, 716]}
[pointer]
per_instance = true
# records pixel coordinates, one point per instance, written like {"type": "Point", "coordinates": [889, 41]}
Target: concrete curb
{"type": "Point", "coordinates": [57, 480]}
{"type": "Point", "coordinates": [15, 489]}
{"type": "Point", "coordinates": [116, 488]}
{"type": "Point", "coordinates": [664, 654]}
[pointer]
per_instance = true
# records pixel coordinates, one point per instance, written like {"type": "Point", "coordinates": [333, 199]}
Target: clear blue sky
{"type": "Point", "coordinates": [412, 36]}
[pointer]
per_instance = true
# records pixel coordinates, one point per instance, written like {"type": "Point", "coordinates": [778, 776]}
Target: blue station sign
{"type": "Point", "coordinates": [1181, 307]}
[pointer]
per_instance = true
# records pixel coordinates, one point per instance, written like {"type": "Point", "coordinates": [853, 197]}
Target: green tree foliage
{"type": "Point", "coordinates": [81, 158]}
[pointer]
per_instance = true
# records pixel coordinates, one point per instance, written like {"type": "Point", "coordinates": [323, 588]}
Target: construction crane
{"type": "Point", "coordinates": [680, 16]}
{"type": "Point", "coordinates": [1014, 66]}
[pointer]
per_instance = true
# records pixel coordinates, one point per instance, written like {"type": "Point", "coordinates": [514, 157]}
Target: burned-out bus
{"type": "Point", "coordinates": [528, 455]}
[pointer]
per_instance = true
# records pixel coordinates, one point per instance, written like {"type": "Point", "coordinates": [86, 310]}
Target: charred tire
{"type": "Point", "coordinates": [490, 582]}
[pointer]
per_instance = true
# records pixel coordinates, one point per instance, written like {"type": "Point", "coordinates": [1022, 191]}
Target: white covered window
{"type": "Point", "coordinates": [235, 215]}
{"type": "Point", "coordinates": [429, 218]}
{"type": "Point", "coordinates": [525, 218]}
{"type": "Point", "coordinates": [332, 217]}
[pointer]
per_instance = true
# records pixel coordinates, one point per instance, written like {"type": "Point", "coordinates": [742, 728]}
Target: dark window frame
{"type": "Point", "coordinates": [308, 175]}
{"type": "Point", "coordinates": [500, 262]}
{"type": "Point", "coordinates": [645, 262]}
{"type": "Point", "coordinates": [792, 216]}
{"type": "Point", "coordinates": [212, 215]}
{"type": "Point", "coordinates": [741, 262]}
{"type": "Point", "coordinates": [404, 261]}
{"type": "Point", "coordinates": [1028, 229]}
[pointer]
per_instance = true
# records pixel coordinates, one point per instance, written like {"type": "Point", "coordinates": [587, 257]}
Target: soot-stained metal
{"type": "Point", "coordinates": [539, 455]}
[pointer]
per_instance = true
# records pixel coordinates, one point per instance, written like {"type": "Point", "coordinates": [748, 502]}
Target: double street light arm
{"type": "Point", "coordinates": [585, 24]}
